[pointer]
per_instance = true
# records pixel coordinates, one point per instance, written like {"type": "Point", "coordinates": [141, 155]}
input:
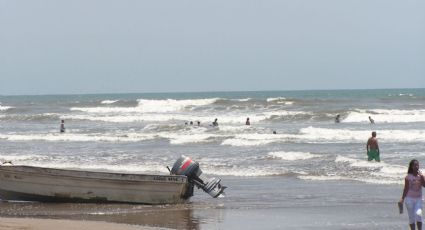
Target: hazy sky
{"type": "Point", "coordinates": [122, 46]}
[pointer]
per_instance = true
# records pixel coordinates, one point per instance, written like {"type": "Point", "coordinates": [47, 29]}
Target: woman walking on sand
{"type": "Point", "coordinates": [412, 194]}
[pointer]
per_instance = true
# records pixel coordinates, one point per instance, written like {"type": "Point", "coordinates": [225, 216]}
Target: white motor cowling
{"type": "Point", "coordinates": [187, 167]}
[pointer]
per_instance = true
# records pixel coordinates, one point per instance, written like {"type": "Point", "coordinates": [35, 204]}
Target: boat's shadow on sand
{"type": "Point", "coordinates": [180, 216]}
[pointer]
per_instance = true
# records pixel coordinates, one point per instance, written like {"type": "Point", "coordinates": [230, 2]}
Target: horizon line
{"type": "Point", "coordinates": [194, 92]}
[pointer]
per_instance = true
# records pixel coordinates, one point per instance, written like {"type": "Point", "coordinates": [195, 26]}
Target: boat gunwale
{"type": "Point", "coordinates": [45, 173]}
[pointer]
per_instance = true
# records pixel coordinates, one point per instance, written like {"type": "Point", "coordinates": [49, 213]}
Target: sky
{"type": "Point", "coordinates": [138, 46]}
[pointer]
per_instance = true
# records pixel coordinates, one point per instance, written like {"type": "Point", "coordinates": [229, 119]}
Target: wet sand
{"type": "Point", "coordinates": [50, 224]}
{"type": "Point", "coordinates": [146, 216]}
{"type": "Point", "coordinates": [251, 203]}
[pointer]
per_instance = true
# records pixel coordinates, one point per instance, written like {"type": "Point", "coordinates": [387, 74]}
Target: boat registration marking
{"type": "Point", "coordinates": [161, 178]}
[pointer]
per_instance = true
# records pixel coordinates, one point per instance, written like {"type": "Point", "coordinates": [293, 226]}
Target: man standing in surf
{"type": "Point", "coordinates": [62, 127]}
{"type": "Point", "coordinates": [372, 148]}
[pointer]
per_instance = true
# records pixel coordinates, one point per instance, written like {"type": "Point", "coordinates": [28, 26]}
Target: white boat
{"type": "Point", "coordinates": [60, 185]}
{"type": "Point", "coordinates": [31, 183]}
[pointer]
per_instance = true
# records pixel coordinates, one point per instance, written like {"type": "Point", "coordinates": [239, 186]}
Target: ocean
{"type": "Point", "coordinates": [312, 173]}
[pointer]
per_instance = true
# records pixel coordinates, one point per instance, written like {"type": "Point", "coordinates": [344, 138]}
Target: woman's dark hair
{"type": "Point", "coordinates": [410, 170]}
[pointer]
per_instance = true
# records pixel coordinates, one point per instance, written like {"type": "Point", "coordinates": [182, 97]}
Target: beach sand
{"type": "Point", "coordinates": [51, 224]}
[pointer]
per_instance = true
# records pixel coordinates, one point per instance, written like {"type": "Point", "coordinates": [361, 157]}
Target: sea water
{"type": "Point", "coordinates": [144, 133]}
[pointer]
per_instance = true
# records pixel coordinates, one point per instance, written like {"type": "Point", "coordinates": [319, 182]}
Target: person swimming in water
{"type": "Point", "coordinates": [371, 120]}
{"type": "Point", "coordinates": [62, 127]}
{"type": "Point", "coordinates": [247, 121]}
{"type": "Point", "coordinates": [337, 118]}
{"type": "Point", "coordinates": [215, 123]}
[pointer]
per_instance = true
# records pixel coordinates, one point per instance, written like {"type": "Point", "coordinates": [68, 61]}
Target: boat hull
{"type": "Point", "coordinates": [58, 185]}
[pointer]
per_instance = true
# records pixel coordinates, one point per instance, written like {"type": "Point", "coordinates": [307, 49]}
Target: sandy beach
{"type": "Point", "coordinates": [51, 224]}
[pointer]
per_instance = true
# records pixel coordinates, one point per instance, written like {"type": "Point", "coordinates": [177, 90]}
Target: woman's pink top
{"type": "Point", "coordinates": [415, 186]}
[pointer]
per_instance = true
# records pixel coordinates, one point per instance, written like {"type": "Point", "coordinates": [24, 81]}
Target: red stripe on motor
{"type": "Point", "coordinates": [187, 163]}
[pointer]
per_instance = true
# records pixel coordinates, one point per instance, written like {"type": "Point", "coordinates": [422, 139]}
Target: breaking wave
{"type": "Point", "coordinates": [279, 100]}
{"type": "Point", "coordinates": [130, 137]}
{"type": "Point", "coordinates": [347, 135]}
{"type": "Point", "coordinates": [377, 172]}
{"type": "Point", "coordinates": [108, 102]}
{"type": "Point", "coordinates": [386, 116]}
{"type": "Point", "coordinates": [292, 156]}
{"type": "Point", "coordinates": [4, 108]}
{"type": "Point", "coordinates": [150, 106]}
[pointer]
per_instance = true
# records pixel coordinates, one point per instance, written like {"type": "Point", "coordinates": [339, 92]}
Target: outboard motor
{"type": "Point", "coordinates": [187, 167]}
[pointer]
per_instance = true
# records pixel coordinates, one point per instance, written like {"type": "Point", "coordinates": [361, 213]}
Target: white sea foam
{"type": "Point", "coordinates": [280, 100]}
{"type": "Point", "coordinates": [385, 169]}
{"type": "Point", "coordinates": [22, 158]}
{"type": "Point", "coordinates": [276, 99]}
{"type": "Point", "coordinates": [312, 134]}
{"type": "Point", "coordinates": [235, 129]}
{"type": "Point", "coordinates": [323, 178]}
{"type": "Point", "coordinates": [404, 94]}
{"type": "Point", "coordinates": [4, 108]}
{"type": "Point", "coordinates": [150, 106]}
{"type": "Point", "coordinates": [91, 162]}
{"type": "Point", "coordinates": [121, 116]}
{"type": "Point", "coordinates": [170, 110]}
{"type": "Point", "coordinates": [170, 105]}
{"type": "Point", "coordinates": [242, 142]}
{"type": "Point", "coordinates": [380, 172]}
{"type": "Point", "coordinates": [248, 171]}
{"type": "Point", "coordinates": [178, 139]}
{"type": "Point", "coordinates": [359, 163]}
{"type": "Point", "coordinates": [321, 135]}
{"type": "Point", "coordinates": [118, 118]}
{"type": "Point", "coordinates": [386, 116]}
{"type": "Point", "coordinates": [148, 167]}
{"type": "Point", "coordinates": [324, 135]}
{"type": "Point", "coordinates": [283, 113]}
{"type": "Point", "coordinates": [375, 180]}
{"type": "Point", "coordinates": [381, 181]}
{"type": "Point", "coordinates": [239, 119]}
{"type": "Point", "coordinates": [108, 101]}
{"type": "Point", "coordinates": [174, 138]}
{"type": "Point", "coordinates": [107, 110]}
{"type": "Point", "coordinates": [154, 127]}
{"type": "Point", "coordinates": [243, 99]}
{"type": "Point", "coordinates": [254, 139]}
{"type": "Point", "coordinates": [292, 156]}
{"type": "Point", "coordinates": [130, 137]}
{"type": "Point", "coordinates": [229, 166]}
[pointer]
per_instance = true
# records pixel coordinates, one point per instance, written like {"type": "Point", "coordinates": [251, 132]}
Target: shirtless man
{"type": "Point", "coordinates": [372, 148]}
